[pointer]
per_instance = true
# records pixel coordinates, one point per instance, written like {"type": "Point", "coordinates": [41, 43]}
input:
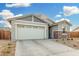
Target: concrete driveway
{"type": "Point", "coordinates": [43, 48]}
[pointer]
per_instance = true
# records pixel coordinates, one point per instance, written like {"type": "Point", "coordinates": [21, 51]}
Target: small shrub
{"type": "Point", "coordinates": [68, 39]}
{"type": "Point", "coordinates": [71, 38]}
{"type": "Point", "coordinates": [64, 42]}
{"type": "Point", "coordinates": [8, 47]}
{"type": "Point", "coordinates": [56, 40]}
{"type": "Point", "coordinates": [75, 45]}
{"type": "Point", "coordinates": [9, 44]}
{"type": "Point", "coordinates": [62, 39]}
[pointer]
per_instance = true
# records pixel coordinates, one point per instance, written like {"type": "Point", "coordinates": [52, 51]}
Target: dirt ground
{"type": "Point", "coordinates": [71, 43]}
{"type": "Point", "coordinates": [7, 48]}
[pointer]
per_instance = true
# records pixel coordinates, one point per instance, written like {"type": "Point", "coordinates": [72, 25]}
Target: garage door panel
{"type": "Point", "coordinates": [38, 32]}
{"type": "Point", "coordinates": [30, 32]}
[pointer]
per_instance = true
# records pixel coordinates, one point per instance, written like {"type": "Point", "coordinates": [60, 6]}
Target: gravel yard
{"type": "Point", "coordinates": [71, 43]}
{"type": "Point", "coordinates": [7, 48]}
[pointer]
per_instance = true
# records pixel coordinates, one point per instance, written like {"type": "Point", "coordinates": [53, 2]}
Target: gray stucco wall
{"type": "Point", "coordinates": [38, 20]}
{"type": "Point", "coordinates": [29, 18]}
{"type": "Point", "coordinates": [55, 28]}
{"type": "Point", "coordinates": [60, 25]}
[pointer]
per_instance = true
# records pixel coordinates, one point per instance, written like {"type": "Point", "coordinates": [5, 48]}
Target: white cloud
{"type": "Point", "coordinates": [62, 20]}
{"type": "Point", "coordinates": [6, 23]}
{"type": "Point", "coordinates": [18, 15]}
{"type": "Point", "coordinates": [1, 21]}
{"type": "Point", "coordinates": [58, 16]}
{"type": "Point", "coordinates": [18, 5]}
{"type": "Point", "coordinates": [6, 14]}
{"type": "Point", "coordinates": [70, 10]}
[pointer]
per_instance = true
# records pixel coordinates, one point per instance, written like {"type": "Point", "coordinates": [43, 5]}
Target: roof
{"type": "Point", "coordinates": [76, 29]}
{"type": "Point", "coordinates": [40, 16]}
{"type": "Point", "coordinates": [64, 20]}
{"type": "Point", "coordinates": [44, 17]}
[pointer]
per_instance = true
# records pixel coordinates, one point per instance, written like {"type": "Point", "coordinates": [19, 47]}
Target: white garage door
{"type": "Point", "coordinates": [30, 32]}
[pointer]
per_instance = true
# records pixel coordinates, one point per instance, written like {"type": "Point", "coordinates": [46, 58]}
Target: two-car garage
{"type": "Point", "coordinates": [23, 31]}
{"type": "Point", "coordinates": [30, 27]}
{"type": "Point", "coordinates": [30, 32]}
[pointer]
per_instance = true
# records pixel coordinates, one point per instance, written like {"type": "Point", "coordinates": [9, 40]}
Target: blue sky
{"type": "Point", "coordinates": [49, 9]}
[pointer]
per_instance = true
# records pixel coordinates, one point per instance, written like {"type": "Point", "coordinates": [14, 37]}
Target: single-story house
{"type": "Point", "coordinates": [35, 26]}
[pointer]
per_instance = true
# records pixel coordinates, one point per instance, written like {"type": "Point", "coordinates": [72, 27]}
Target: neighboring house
{"type": "Point", "coordinates": [61, 26]}
{"type": "Point", "coordinates": [75, 29]}
{"type": "Point", "coordinates": [35, 26]}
